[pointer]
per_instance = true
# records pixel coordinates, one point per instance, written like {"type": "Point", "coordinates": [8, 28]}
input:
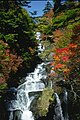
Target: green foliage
{"type": "Point", "coordinates": [67, 18]}
{"type": "Point", "coordinates": [26, 56]}
{"type": "Point", "coordinates": [18, 42]}
{"type": "Point", "coordinates": [2, 87]}
{"type": "Point", "coordinates": [64, 18]}
{"type": "Point", "coordinates": [17, 30]}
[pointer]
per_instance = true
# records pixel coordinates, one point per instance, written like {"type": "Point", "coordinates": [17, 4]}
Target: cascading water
{"type": "Point", "coordinates": [61, 114]}
{"type": "Point", "coordinates": [65, 99]}
{"type": "Point", "coordinates": [58, 109]}
{"type": "Point", "coordinates": [19, 108]}
{"type": "Point", "coordinates": [33, 84]}
{"type": "Point", "coordinates": [41, 47]}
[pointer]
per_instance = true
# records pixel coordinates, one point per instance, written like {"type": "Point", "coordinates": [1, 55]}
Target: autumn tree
{"type": "Point", "coordinates": [16, 30]}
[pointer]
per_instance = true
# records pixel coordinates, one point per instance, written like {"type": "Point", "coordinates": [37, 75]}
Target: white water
{"type": "Point", "coordinates": [65, 99]}
{"type": "Point", "coordinates": [58, 109]}
{"type": "Point", "coordinates": [33, 83]}
{"type": "Point", "coordinates": [41, 47]}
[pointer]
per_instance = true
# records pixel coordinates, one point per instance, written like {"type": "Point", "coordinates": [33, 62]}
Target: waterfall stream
{"type": "Point", "coordinates": [58, 109]}
{"type": "Point", "coordinates": [65, 99]}
{"type": "Point", "coordinates": [33, 84]}
{"type": "Point", "coordinates": [22, 103]}
{"type": "Point", "coordinates": [19, 107]}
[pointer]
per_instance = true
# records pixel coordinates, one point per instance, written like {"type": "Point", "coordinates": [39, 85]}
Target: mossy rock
{"type": "Point", "coordinates": [47, 53]}
{"type": "Point", "coordinates": [44, 101]}
{"type": "Point", "coordinates": [3, 88]}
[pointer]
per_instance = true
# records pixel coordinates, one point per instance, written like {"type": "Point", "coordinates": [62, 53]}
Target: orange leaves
{"type": "Point", "coordinates": [59, 66]}
{"type": "Point", "coordinates": [66, 60]}
{"type": "Point", "coordinates": [72, 45]}
{"type": "Point", "coordinates": [57, 58]}
{"type": "Point", "coordinates": [66, 71]}
{"type": "Point", "coordinates": [78, 61]}
{"type": "Point", "coordinates": [62, 50]}
{"type": "Point", "coordinates": [58, 33]}
{"type": "Point", "coordinates": [8, 62]}
{"type": "Point", "coordinates": [62, 57]}
{"type": "Point", "coordinates": [61, 60]}
{"type": "Point", "coordinates": [52, 63]}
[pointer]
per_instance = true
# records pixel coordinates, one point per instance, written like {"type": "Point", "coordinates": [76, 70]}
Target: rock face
{"type": "Point", "coordinates": [43, 103]}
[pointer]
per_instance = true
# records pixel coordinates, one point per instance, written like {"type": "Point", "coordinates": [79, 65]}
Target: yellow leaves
{"type": "Point", "coordinates": [57, 58]}
{"type": "Point", "coordinates": [32, 51]}
{"type": "Point", "coordinates": [66, 71]}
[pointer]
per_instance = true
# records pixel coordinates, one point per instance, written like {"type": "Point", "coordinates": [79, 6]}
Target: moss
{"type": "Point", "coordinates": [48, 50]}
{"type": "Point", "coordinates": [43, 55]}
{"type": "Point", "coordinates": [2, 88]}
{"type": "Point", "coordinates": [44, 101]}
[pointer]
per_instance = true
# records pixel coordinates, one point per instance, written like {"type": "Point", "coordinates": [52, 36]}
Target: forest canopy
{"type": "Point", "coordinates": [17, 38]}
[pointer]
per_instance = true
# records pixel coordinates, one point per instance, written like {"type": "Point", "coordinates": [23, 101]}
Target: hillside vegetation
{"type": "Point", "coordinates": [61, 33]}
{"type": "Point", "coordinates": [17, 44]}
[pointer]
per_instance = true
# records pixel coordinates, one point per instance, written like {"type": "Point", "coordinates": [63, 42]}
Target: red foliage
{"type": "Point", "coordinates": [65, 58]}
{"type": "Point", "coordinates": [8, 62]}
{"type": "Point", "coordinates": [58, 66]}
{"type": "Point", "coordinates": [62, 50]}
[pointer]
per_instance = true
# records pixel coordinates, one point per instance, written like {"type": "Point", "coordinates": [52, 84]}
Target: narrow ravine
{"type": "Point", "coordinates": [19, 108]}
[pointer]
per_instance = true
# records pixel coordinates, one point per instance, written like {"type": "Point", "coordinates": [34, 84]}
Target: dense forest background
{"type": "Point", "coordinates": [17, 39]}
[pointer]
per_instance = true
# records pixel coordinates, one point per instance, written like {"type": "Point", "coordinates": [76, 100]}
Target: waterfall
{"type": "Point", "coordinates": [19, 108]}
{"type": "Point", "coordinates": [41, 47]}
{"type": "Point", "coordinates": [61, 114]}
{"type": "Point", "coordinates": [33, 84]}
{"type": "Point", "coordinates": [65, 99]}
{"type": "Point", "coordinates": [58, 109]}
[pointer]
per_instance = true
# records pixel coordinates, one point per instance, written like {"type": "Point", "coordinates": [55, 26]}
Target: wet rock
{"type": "Point", "coordinates": [43, 102]}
